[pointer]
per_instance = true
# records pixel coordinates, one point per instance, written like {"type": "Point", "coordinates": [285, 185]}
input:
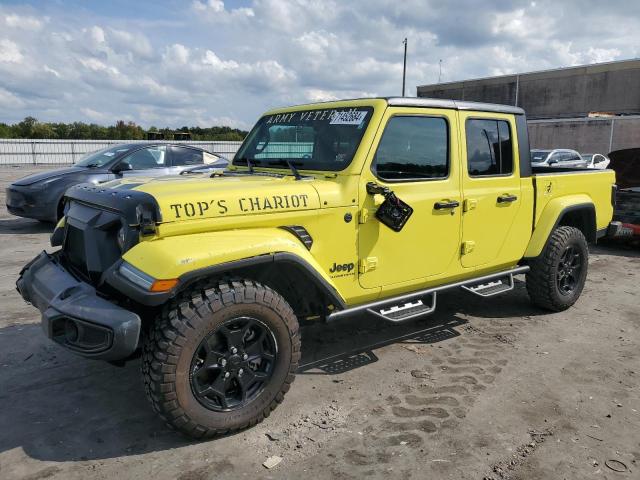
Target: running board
{"type": "Point", "coordinates": [422, 302]}
{"type": "Point", "coordinates": [407, 310]}
{"type": "Point", "coordinates": [491, 287]}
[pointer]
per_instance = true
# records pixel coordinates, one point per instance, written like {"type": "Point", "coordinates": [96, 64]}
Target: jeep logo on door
{"type": "Point", "coordinates": [342, 269]}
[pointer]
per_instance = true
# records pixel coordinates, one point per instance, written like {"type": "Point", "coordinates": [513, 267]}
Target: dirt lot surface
{"type": "Point", "coordinates": [481, 389]}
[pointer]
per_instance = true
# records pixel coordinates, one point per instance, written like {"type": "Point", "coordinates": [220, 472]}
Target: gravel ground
{"type": "Point", "coordinates": [491, 389]}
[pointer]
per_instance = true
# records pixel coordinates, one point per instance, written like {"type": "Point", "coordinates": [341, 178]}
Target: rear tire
{"type": "Point", "coordinates": [558, 275]}
{"type": "Point", "coordinates": [220, 359]}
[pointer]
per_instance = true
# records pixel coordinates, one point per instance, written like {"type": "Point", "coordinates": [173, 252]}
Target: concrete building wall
{"type": "Point", "coordinates": [586, 135]}
{"type": "Point", "coordinates": [568, 92]}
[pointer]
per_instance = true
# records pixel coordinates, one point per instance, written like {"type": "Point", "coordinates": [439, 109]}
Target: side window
{"type": "Point", "coordinates": [181, 156]}
{"type": "Point", "coordinates": [145, 158]}
{"type": "Point", "coordinates": [413, 148]}
{"type": "Point", "coordinates": [489, 147]}
{"type": "Point", "coordinates": [598, 159]}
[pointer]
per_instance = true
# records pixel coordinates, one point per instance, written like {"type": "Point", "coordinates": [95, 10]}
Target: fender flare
{"type": "Point", "coordinates": [191, 258]}
{"type": "Point", "coordinates": [552, 216]}
{"type": "Point", "coordinates": [273, 258]}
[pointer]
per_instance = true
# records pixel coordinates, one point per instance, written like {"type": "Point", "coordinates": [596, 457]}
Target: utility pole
{"type": "Point", "coordinates": [404, 66]}
{"type": "Point", "coordinates": [440, 71]}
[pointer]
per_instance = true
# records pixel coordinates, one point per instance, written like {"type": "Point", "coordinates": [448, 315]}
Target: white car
{"type": "Point", "coordinates": [559, 157]}
{"type": "Point", "coordinates": [596, 160]}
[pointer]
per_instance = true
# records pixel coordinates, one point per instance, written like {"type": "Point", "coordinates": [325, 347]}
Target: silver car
{"type": "Point", "coordinates": [559, 157]}
{"type": "Point", "coordinates": [40, 196]}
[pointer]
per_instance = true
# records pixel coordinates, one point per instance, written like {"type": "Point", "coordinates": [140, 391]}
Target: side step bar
{"type": "Point", "coordinates": [492, 287]}
{"type": "Point", "coordinates": [407, 311]}
{"type": "Point", "coordinates": [423, 302]}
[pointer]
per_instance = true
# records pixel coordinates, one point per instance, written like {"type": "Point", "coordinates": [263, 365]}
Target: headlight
{"type": "Point", "coordinates": [144, 281]}
{"type": "Point", "coordinates": [136, 276]}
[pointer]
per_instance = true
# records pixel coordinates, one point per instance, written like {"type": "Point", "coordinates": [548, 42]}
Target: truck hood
{"type": "Point", "coordinates": [182, 198]}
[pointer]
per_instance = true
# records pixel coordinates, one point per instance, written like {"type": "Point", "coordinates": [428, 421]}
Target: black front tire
{"type": "Point", "coordinates": [171, 355]}
{"type": "Point", "coordinates": [558, 275]}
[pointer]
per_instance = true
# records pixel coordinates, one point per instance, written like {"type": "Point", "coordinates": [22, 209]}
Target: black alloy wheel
{"type": "Point", "coordinates": [558, 275]}
{"type": "Point", "coordinates": [569, 270]}
{"type": "Point", "coordinates": [219, 359]}
{"type": "Point", "coordinates": [232, 364]}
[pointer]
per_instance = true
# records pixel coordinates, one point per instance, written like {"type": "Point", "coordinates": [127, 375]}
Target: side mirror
{"type": "Point", "coordinates": [122, 167]}
{"type": "Point", "coordinates": [553, 161]}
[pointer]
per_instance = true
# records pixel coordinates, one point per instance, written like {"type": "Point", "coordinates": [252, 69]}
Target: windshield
{"type": "Point", "coordinates": [102, 157]}
{"type": "Point", "coordinates": [538, 156]}
{"type": "Point", "coordinates": [587, 156]}
{"type": "Point", "coordinates": [322, 139]}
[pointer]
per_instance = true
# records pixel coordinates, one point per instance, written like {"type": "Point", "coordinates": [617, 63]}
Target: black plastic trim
{"type": "Point", "coordinates": [124, 202]}
{"type": "Point", "coordinates": [524, 154]}
{"type": "Point", "coordinates": [59, 296]}
{"type": "Point", "coordinates": [144, 297]}
{"type": "Point", "coordinates": [592, 237]}
{"type": "Point", "coordinates": [301, 233]}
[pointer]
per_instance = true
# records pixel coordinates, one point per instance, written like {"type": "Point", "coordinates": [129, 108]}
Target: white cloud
{"type": "Point", "coordinates": [23, 21]}
{"type": "Point", "coordinates": [136, 43]}
{"type": "Point", "coordinates": [220, 62]}
{"type": "Point", "coordinates": [10, 52]}
{"type": "Point", "coordinates": [216, 11]}
{"type": "Point", "coordinates": [176, 54]}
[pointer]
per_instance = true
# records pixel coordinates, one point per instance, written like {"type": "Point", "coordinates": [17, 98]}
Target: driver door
{"type": "Point", "coordinates": [416, 156]}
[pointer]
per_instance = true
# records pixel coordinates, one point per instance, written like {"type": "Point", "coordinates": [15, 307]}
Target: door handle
{"type": "Point", "coordinates": [446, 204]}
{"type": "Point", "coordinates": [507, 198]}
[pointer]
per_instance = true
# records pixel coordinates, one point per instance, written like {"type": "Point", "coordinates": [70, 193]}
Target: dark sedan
{"type": "Point", "coordinates": [40, 196]}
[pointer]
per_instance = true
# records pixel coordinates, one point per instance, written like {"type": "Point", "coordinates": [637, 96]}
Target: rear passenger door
{"type": "Point", "coordinates": [491, 189]}
{"type": "Point", "coordinates": [148, 162]}
{"type": "Point", "coordinates": [183, 158]}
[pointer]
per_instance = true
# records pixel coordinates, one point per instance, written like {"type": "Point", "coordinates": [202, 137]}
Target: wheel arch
{"type": "Point", "coordinates": [301, 285]}
{"type": "Point", "coordinates": [271, 256]}
{"type": "Point", "coordinates": [559, 213]}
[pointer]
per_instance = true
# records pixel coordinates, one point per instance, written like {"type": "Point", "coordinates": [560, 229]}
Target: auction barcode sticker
{"type": "Point", "coordinates": [348, 117]}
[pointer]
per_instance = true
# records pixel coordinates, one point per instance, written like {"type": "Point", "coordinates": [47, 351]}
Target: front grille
{"type": "Point", "coordinates": [74, 248]}
{"type": "Point", "coordinates": [90, 244]}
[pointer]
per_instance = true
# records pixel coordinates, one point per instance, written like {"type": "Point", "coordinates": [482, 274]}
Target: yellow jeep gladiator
{"type": "Point", "coordinates": [328, 210]}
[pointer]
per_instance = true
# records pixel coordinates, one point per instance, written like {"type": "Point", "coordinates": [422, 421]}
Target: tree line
{"type": "Point", "coordinates": [32, 128]}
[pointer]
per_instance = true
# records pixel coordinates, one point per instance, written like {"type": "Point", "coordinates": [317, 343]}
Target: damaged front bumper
{"type": "Point", "coordinates": [74, 315]}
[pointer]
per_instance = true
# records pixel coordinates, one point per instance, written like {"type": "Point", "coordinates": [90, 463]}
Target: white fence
{"type": "Point", "coordinates": [68, 152]}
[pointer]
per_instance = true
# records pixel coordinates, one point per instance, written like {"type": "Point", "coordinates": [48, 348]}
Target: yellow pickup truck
{"type": "Point", "coordinates": [328, 210]}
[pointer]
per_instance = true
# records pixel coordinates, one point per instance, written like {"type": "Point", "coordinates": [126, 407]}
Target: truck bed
{"type": "Point", "coordinates": [575, 186]}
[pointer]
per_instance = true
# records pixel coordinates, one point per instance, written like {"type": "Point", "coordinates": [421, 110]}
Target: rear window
{"type": "Point", "coordinates": [538, 156]}
{"type": "Point", "coordinates": [489, 147]}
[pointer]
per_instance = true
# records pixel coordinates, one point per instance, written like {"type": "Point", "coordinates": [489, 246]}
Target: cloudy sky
{"type": "Point", "coordinates": [209, 62]}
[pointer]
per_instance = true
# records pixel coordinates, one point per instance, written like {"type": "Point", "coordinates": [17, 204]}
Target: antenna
{"type": "Point", "coordinates": [404, 66]}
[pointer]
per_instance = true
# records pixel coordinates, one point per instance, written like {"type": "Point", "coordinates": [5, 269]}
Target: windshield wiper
{"type": "Point", "coordinates": [92, 165]}
{"type": "Point", "coordinates": [288, 163]}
